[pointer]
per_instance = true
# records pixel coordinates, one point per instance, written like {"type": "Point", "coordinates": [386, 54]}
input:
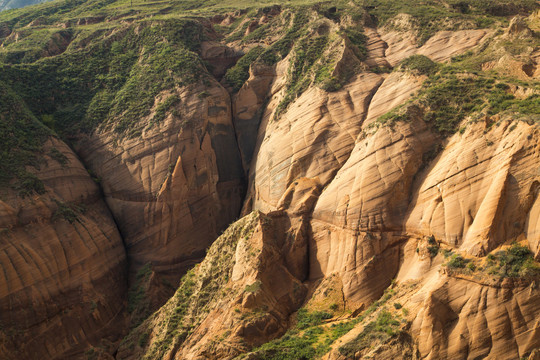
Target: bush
{"type": "Point", "coordinates": [143, 339]}
{"type": "Point", "coordinates": [58, 156]}
{"type": "Point", "coordinates": [433, 250]}
{"type": "Point", "coordinates": [308, 340]}
{"type": "Point", "coordinates": [28, 184]}
{"type": "Point", "coordinates": [68, 212]}
{"type": "Point", "coordinates": [420, 64]}
{"type": "Point", "coordinates": [252, 288]}
{"type": "Point", "coordinates": [456, 262]}
{"type": "Point", "coordinates": [516, 261]}
{"type": "Point", "coordinates": [21, 146]}
{"type": "Point", "coordinates": [359, 40]}
{"type": "Point", "coordinates": [447, 253]}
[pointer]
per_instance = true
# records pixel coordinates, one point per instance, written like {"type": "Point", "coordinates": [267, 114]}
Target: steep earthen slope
{"type": "Point", "coordinates": [240, 296]}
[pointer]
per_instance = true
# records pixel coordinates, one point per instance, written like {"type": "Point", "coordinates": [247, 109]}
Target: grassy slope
{"type": "Point", "coordinates": [14, 4]}
{"type": "Point", "coordinates": [22, 137]}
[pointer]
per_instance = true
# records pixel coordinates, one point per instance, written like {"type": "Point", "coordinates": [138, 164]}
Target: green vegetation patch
{"type": "Point", "coordinates": [137, 293]}
{"type": "Point", "coordinates": [306, 319]}
{"type": "Point", "coordinates": [430, 16]}
{"type": "Point", "coordinates": [311, 338]}
{"type": "Point", "coordinates": [21, 146]}
{"type": "Point", "coordinates": [307, 52]}
{"type": "Point", "coordinates": [433, 246]}
{"type": "Point", "coordinates": [199, 289]}
{"type": "Point", "coordinates": [451, 94]}
{"type": "Point", "coordinates": [283, 46]}
{"type": "Point", "coordinates": [58, 156]}
{"type": "Point", "coordinates": [456, 262]}
{"type": "Point", "coordinates": [378, 331]}
{"type": "Point", "coordinates": [111, 80]}
{"type": "Point", "coordinates": [516, 261]}
{"type": "Point", "coordinates": [68, 212]}
{"type": "Point", "coordinates": [419, 64]}
{"type": "Point", "coordinates": [308, 340]}
{"type": "Point", "coordinates": [307, 65]}
{"type": "Point", "coordinates": [253, 288]}
{"type": "Point", "coordinates": [32, 44]}
{"type": "Point", "coordinates": [238, 74]}
{"type": "Point", "coordinates": [359, 40]}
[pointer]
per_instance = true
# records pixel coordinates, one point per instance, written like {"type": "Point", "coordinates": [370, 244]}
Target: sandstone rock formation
{"type": "Point", "coordinates": [177, 186]}
{"type": "Point", "coordinates": [379, 199]}
{"type": "Point", "coordinates": [242, 294]}
{"type": "Point", "coordinates": [488, 321]}
{"type": "Point", "coordinates": [498, 201]}
{"type": "Point", "coordinates": [63, 281]}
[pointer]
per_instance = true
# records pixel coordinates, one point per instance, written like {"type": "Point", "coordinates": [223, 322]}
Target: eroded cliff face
{"type": "Point", "coordinates": [177, 186]}
{"type": "Point", "coordinates": [383, 190]}
{"type": "Point", "coordinates": [63, 280]}
{"type": "Point", "coordinates": [380, 173]}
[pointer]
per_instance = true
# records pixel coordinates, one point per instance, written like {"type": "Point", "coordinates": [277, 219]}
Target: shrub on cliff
{"type": "Point", "coordinates": [420, 64]}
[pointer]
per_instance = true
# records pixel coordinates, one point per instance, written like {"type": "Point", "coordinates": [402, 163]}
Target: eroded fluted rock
{"type": "Point", "coordinates": [243, 293]}
{"type": "Point", "coordinates": [176, 186]}
{"type": "Point", "coordinates": [461, 319]}
{"type": "Point", "coordinates": [248, 109]}
{"type": "Point", "coordinates": [312, 139]}
{"type": "Point", "coordinates": [440, 47]}
{"type": "Point", "coordinates": [63, 280]}
{"type": "Point", "coordinates": [357, 220]}
{"type": "Point", "coordinates": [481, 189]}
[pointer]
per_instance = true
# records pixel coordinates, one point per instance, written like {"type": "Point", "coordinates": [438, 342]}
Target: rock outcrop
{"type": "Point", "coordinates": [177, 186]}
{"type": "Point", "coordinates": [308, 140]}
{"type": "Point", "coordinates": [480, 195]}
{"type": "Point", "coordinates": [242, 294]}
{"type": "Point", "coordinates": [486, 321]}
{"type": "Point", "coordinates": [64, 271]}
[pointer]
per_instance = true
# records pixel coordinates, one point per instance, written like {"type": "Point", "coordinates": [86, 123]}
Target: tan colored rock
{"type": "Point", "coordinates": [445, 44]}
{"type": "Point", "coordinates": [473, 196]}
{"type": "Point", "coordinates": [523, 68]}
{"type": "Point", "coordinates": [301, 196]}
{"type": "Point", "coordinates": [399, 46]}
{"type": "Point", "coordinates": [266, 310]}
{"type": "Point", "coordinates": [535, 355]}
{"type": "Point", "coordinates": [518, 28]}
{"type": "Point", "coordinates": [63, 280]}
{"type": "Point", "coordinates": [248, 109]}
{"type": "Point", "coordinates": [177, 185]}
{"type": "Point", "coordinates": [440, 47]}
{"type": "Point", "coordinates": [532, 224]}
{"type": "Point", "coordinates": [242, 293]}
{"type": "Point", "coordinates": [396, 89]}
{"type": "Point", "coordinates": [376, 48]}
{"type": "Point", "coordinates": [219, 56]}
{"type": "Point", "coordinates": [357, 219]}
{"type": "Point", "coordinates": [308, 140]}
{"type": "Point", "coordinates": [461, 319]}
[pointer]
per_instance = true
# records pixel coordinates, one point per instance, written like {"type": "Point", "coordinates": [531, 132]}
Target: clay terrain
{"type": "Point", "coordinates": [265, 180]}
